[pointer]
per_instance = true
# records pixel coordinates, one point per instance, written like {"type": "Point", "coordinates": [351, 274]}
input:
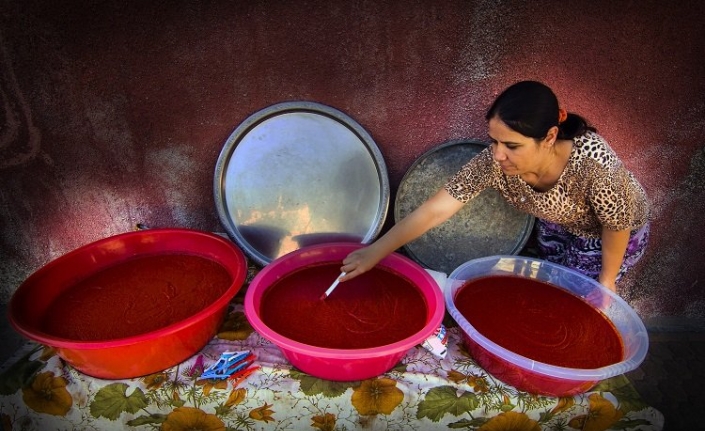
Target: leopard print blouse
{"type": "Point", "coordinates": [594, 190]}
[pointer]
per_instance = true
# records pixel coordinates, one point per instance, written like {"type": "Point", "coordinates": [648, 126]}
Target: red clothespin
{"type": "Point", "coordinates": [240, 376]}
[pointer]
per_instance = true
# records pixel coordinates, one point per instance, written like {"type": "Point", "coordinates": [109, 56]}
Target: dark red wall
{"type": "Point", "coordinates": [114, 114]}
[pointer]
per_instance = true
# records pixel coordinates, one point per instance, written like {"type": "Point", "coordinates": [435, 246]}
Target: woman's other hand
{"type": "Point", "coordinates": [608, 282]}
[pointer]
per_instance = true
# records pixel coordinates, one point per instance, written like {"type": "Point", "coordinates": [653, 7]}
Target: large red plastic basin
{"type": "Point", "coordinates": [140, 354]}
{"type": "Point", "coordinates": [342, 364]}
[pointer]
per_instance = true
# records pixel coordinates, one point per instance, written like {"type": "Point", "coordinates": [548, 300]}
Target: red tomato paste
{"type": "Point", "coordinates": [379, 307]}
{"type": "Point", "coordinates": [540, 321]}
{"type": "Point", "coordinates": [135, 297]}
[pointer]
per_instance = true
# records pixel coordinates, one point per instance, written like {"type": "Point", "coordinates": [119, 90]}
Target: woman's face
{"type": "Point", "coordinates": [515, 153]}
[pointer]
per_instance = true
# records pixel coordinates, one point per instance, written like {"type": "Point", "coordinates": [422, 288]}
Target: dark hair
{"type": "Point", "coordinates": [531, 108]}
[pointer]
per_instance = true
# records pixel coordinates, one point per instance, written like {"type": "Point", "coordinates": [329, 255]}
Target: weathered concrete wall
{"type": "Point", "coordinates": [114, 113]}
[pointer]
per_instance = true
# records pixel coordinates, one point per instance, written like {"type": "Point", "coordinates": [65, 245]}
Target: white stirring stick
{"type": "Point", "coordinates": [332, 286]}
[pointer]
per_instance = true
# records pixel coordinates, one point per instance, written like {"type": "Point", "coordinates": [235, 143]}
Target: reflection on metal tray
{"type": "Point", "coordinates": [485, 226]}
{"type": "Point", "coordinates": [297, 174]}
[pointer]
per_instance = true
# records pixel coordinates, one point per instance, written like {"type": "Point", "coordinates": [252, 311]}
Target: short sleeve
{"type": "Point", "coordinates": [617, 199]}
{"type": "Point", "coordinates": [475, 176]}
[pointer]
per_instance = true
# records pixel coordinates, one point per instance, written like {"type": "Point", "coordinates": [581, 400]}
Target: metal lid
{"type": "Point", "coordinates": [297, 174]}
{"type": "Point", "coordinates": [485, 226]}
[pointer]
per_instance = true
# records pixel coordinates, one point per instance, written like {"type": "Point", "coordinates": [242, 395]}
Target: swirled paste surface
{"type": "Point", "coordinates": [540, 321]}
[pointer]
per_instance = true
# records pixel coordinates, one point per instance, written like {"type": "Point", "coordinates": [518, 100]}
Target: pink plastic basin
{"type": "Point", "coordinates": [342, 364]}
{"type": "Point", "coordinates": [140, 354]}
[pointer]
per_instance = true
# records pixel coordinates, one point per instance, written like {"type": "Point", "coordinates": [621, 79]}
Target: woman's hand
{"type": "Point", "coordinates": [360, 261]}
{"type": "Point", "coordinates": [600, 299]}
{"type": "Point", "coordinates": [608, 282]}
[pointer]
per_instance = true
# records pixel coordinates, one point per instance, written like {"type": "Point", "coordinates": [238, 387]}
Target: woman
{"type": "Point", "coordinates": [592, 214]}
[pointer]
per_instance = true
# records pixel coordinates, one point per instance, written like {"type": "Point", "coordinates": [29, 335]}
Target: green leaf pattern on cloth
{"type": "Point", "coordinates": [445, 399]}
{"type": "Point", "coordinates": [310, 385]}
{"type": "Point", "coordinates": [112, 400]}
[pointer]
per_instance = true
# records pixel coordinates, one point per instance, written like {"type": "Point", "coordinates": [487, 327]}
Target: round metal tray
{"type": "Point", "coordinates": [297, 174]}
{"type": "Point", "coordinates": [485, 226]}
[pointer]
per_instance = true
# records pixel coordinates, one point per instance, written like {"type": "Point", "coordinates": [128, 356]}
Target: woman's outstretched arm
{"type": "Point", "coordinates": [437, 209]}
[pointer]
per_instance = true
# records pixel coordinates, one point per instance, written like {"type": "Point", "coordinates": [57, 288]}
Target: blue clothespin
{"type": "Point", "coordinates": [227, 364]}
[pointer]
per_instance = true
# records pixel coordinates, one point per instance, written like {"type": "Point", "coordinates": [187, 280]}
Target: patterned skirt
{"type": "Point", "coordinates": [557, 245]}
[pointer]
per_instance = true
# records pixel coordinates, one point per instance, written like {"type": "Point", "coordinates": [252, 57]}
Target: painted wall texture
{"type": "Point", "coordinates": [113, 113]}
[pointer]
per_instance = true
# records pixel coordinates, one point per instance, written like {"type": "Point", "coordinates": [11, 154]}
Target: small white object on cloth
{"type": "Point", "coordinates": [438, 341]}
{"type": "Point", "coordinates": [439, 277]}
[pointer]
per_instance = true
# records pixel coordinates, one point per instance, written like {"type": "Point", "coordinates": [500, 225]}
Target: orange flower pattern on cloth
{"type": "Point", "coordinates": [236, 397]}
{"type": "Point", "coordinates": [47, 352]}
{"type": "Point", "coordinates": [210, 384]}
{"type": "Point", "coordinates": [377, 396]}
{"type": "Point", "coordinates": [48, 394]}
{"type": "Point", "coordinates": [564, 403]}
{"type": "Point", "coordinates": [324, 422]}
{"type": "Point", "coordinates": [477, 383]}
{"type": "Point", "coordinates": [511, 421]}
{"type": "Point", "coordinates": [192, 419]}
{"type": "Point", "coordinates": [155, 381]}
{"type": "Point", "coordinates": [603, 414]}
{"type": "Point", "coordinates": [263, 413]}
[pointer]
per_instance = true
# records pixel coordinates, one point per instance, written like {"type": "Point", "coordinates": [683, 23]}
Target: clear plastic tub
{"type": "Point", "coordinates": [537, 377]}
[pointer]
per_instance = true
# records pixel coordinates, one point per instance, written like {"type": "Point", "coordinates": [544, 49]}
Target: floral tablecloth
{"type": "Point", "coordinates": [38, 391]}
